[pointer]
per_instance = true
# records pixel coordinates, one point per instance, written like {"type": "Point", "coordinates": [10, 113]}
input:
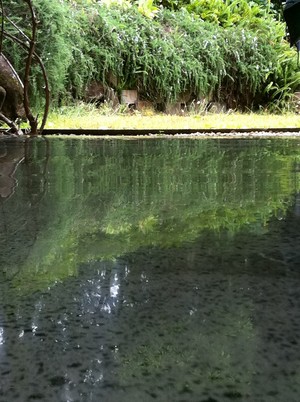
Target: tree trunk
{"type": "Point", "coordinates": [12, 106]}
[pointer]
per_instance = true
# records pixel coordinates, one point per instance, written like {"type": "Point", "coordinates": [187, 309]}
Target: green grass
{"type": "Point", "coordinates": [89, 117]}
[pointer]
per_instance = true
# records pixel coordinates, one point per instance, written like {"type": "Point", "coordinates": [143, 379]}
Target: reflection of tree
{"type": "Point", "coordinates": [20, 211]}
{"type": "Point", "coordinates": [10, 157]}
{"type": "Point", "coordinates": [103, 199]}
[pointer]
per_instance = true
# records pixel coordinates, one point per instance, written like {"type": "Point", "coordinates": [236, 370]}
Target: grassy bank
{"type": "Point", "coordinates": [89, 117]}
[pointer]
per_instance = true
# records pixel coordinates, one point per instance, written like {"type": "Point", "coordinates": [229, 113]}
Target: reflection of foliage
{"type": "Point", "coordinates": [108, 198]}
{"type": "Point", "coordinates": [206, 355]}
{"type": "Point", "coordinates": [52, 258]}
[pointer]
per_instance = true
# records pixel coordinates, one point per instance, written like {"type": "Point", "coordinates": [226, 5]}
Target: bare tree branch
{"type": "Point", "coordinates": [28, 43]}
{"type": "Point", "coordinates": [17, 28]}
{"type": "Point", "coordinates": [45, 77]}
{"type": "Point", "coordinates": [2, 25]}
{"type": "Point", "coordinates": [11, 124]}
{"type": "Point", "coordinates": [32, 120]}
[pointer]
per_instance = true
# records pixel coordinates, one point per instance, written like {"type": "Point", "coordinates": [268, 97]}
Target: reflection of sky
{"type": "Point", "coordinates": [103, 292]}
{"type": "Point", "coordinates": [35, 318]}
{"type": "Point", "coordinates": [1, 336]}
{"type": "Point", "coordinates": [114, 286]}
{"type": "Point", "coordinates": [2, 347]}
{"type": "Point", "coordinates": [62, 333]}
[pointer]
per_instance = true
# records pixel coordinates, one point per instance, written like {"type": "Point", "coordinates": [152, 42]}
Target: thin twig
{"type": "Point", "coordinates": [32, 120]}
{"type": "Point", "coordinates": [11, 124]}
{"type": "Point", "coordinates": [16, 27]}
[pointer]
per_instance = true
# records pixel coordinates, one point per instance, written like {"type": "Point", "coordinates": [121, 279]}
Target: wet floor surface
{"type": "Point", "coordinates": [152, 294]}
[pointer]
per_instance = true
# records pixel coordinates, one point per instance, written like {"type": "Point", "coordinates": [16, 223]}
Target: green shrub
{"type": "Point", "coordinates": [230, 51]}
{"type": "Point", "coordinates": [230, 13]}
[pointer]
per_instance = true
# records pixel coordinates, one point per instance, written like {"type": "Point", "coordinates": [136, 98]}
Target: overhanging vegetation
{"type": "Point", "coordinates": [229, 52]}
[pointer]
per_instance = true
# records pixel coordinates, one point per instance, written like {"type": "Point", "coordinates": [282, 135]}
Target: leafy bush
{"type": "Point", "coordinates": [230, 51]}
{"type": "Point", "coordinates": [230, 13]}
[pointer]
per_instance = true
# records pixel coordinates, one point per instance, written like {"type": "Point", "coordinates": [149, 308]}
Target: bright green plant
{"type": "Point", "coordinates": [230, 13]}
{"type": "Point", "coordinates": [147, 8]}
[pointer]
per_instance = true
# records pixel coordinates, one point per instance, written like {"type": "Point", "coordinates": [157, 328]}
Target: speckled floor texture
{"type": "Point", "coordinates": [182, 324]}
{"type": "Point", "coordinates": [215, 318]}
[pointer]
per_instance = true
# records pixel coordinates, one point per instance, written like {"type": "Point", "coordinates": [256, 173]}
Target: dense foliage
{"type": "Point", "coordinates": [227, 51]}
